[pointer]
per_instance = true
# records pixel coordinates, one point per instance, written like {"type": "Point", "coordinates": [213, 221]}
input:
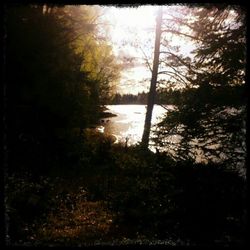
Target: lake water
{"type": "Point", "coordinates": [128, 123]}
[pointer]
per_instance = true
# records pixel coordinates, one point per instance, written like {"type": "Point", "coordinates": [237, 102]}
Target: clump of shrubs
{"type": "Point", "coordinates": [136, 194]}
{"type": "Point", "coordinates": [205, 204]}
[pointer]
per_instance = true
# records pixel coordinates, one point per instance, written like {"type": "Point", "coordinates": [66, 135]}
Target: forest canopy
{"type": "Point", "coordinates": [55, 52]}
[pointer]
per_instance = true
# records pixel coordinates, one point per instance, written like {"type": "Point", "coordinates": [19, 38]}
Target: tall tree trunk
{"type": "Point", "coordinates": [151, 94]}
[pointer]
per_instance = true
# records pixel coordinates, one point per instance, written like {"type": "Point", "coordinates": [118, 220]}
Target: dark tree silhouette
{"type": "Point", "coordinates": [152, 91]}
{"type": "Point", "coordinates": [211, 113]}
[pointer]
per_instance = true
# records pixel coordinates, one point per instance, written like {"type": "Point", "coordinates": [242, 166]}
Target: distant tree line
{"type": "Point", "coordinates": [163, 96]}
{"type": "Point", "coordinates": [140, 98]}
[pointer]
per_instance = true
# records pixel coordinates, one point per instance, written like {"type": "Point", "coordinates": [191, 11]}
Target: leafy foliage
{"type": "Point", "coordinates": [179, 199]}
{"type": "Point", "coordinates": [210, 116]}
{"type": "Point", "coordinates": [62, 73]}
{"type": "Point", "coordinates": [68, 184]}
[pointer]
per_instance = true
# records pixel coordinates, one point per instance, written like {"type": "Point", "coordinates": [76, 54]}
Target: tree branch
{"type": "Point", "coordinates": [183, 34]}
{"type": "Point", "coordinates": [170, 73]}
{"type": "Point", "coordinates": [146, 59]}
{"type": "Point", "coordinates": [179, 59]}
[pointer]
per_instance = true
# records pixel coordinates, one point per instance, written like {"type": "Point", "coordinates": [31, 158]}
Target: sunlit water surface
{"type": "Point", "coordinates": [127, 126]}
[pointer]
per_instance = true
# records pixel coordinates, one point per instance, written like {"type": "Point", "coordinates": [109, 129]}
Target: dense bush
{"type": "Point", "coordinates": [202, 203]}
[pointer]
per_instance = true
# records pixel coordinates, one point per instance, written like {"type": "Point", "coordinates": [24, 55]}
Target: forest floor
{"type": "Point", "coordinates": [118, 195]}
{"type": "Point", "coordinates": [66, 215]}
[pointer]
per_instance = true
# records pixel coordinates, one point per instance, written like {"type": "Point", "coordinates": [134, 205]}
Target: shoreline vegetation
{"type": "Point", "coordinates": [107, 115]}
{"type": "Point", "coordinates": [121, 194]}
{"type": "Point", "coordinates": [66, 184]}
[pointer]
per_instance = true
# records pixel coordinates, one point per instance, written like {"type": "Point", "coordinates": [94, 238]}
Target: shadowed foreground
{"type": "Point", "coordinates": [122, 195]}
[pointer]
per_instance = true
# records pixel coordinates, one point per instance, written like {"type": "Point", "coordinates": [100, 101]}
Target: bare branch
{"type": "Point", "coordinates": [179, 59]}
{"type": "Point", "coordinates": [178, 20]}
{"type": "Point", "coordinates": [146, 59]}
{"type": "Point", "coordinates": [163, 107]}
{"type": "Point", "coordinates": [183, 34]}
{"type": "Point", "coordinates": [170, 73]}
{"type": "Point", "coordinates": [179, 73]}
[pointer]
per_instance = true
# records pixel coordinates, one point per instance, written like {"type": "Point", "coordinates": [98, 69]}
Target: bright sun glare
{"type": "Point", "coordinates": [129, 26]}
{"type": "Point", "coordinates": [140, 17]}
